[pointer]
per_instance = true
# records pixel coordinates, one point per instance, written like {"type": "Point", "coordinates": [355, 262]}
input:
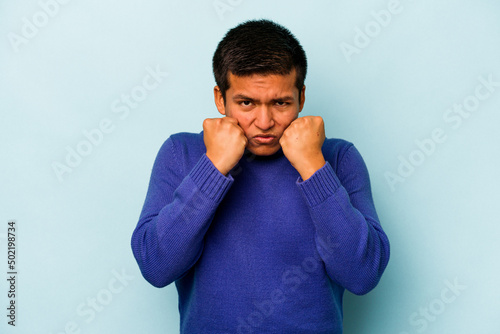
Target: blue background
{"type": "Point", "coordinates": [68, 73]}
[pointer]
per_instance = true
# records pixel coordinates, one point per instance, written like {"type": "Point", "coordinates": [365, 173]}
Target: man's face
{"type": "Point", "coordinates": [264, 106]}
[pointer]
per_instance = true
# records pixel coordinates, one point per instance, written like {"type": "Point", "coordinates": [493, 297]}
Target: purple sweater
{"type": "Point", "coordinates": [261, 250]}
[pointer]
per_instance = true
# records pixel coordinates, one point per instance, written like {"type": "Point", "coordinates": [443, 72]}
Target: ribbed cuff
{"type": "Point", "coordinates": [209, 179]}
{"type": "Point", "coordinates": [321, 185]}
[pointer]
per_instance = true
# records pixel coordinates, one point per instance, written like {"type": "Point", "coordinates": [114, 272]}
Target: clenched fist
{"type": "Point", "coordinates": [225, 142]}
{"type": "Point", "coordinates": [301, 143]}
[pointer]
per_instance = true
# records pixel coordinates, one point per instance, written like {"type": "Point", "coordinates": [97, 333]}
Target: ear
{"type": "Point", "coordinates": [219, 100]}
{"type": "Point", "coordinates": [302, 97]}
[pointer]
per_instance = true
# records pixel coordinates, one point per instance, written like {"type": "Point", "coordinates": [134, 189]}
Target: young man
{"type": "Point", "coordinates": [260, 221]}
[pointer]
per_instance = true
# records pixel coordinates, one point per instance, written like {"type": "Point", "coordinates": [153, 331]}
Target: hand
{"type": "Point", "coordinates": [225, 142]}
{"type": "Point", "coordinates": [301, 143]}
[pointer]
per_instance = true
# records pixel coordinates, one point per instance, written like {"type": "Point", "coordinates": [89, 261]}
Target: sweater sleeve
{"type": "Point", "coordinates": [349, 237]}
{"type": "Point", "coordinates": [177, 212]}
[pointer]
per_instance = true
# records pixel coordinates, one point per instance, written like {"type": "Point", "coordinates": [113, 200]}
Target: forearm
{"type": "Point", "coordinates": [168, 241]}
{"type": "Point", "coordinates": [361, 249]}
{"type": "Point", "coordinates": [357, 249]}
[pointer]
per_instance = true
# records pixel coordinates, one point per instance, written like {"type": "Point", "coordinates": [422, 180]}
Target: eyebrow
{"type": "Point", "coordinates": [286, 98]}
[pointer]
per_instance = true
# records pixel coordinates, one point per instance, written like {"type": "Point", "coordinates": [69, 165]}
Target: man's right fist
{"type": "Point", "coordinates": [225, 142]}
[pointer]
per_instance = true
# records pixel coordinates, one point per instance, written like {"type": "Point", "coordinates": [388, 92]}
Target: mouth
{"type": "Point", "coordinates": [264, 139]}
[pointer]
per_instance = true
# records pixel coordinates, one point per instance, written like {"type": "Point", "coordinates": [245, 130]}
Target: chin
{"type": "Point", "coordinates": [264, 150]}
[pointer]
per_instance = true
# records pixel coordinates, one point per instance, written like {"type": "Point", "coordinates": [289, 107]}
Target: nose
{"type": "Point", "coordinates": [264, 119]}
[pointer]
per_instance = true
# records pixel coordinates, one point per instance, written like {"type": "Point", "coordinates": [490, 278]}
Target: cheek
{"type": "Point", "coordinates": [244, 122]}
{"type": "Point", "coordinates": [241, 117]}
{"type": "Point", "coordinates": [284, 120]}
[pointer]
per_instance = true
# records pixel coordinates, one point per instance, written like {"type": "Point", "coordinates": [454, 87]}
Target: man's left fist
{"type": "Point", "coordinates": [301, 143]}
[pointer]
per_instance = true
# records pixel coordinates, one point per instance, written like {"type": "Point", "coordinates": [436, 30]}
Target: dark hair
{"type": "Point", "coordinates": [258, 47]}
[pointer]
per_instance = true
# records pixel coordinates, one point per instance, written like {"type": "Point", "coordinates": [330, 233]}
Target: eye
{"type": "Point", "coordinates": [282, 104]}
{"type": "Point", "coordinates": [245, 103]}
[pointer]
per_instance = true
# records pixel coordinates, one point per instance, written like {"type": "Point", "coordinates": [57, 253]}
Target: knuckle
{"type": "Point", "coordinates": [207, 123]}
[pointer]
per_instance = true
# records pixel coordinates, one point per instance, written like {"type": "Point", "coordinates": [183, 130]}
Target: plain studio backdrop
{"type": "Point", "coordinates": [89, 90]}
